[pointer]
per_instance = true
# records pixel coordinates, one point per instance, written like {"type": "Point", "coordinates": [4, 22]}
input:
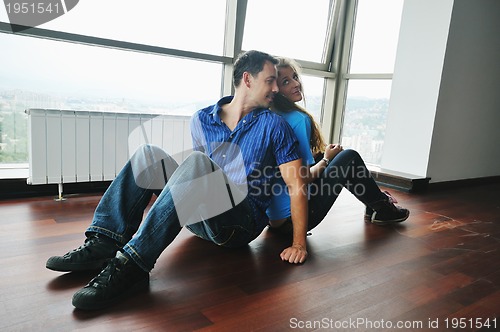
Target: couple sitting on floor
{"type": "Point", "coordinates": [236, 142]}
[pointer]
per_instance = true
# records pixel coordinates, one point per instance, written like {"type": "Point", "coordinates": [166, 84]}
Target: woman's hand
{"type": "Point", "coordinates": [295, 254]}
{"type": "Point", "coordinates": [331, 150]}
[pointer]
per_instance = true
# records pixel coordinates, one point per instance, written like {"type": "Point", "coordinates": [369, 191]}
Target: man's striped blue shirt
{"type": "Point", "coordinates": [262, 139]}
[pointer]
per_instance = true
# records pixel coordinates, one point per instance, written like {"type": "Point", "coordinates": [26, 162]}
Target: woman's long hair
{"type": "Point", "coordinates": [283, 104]}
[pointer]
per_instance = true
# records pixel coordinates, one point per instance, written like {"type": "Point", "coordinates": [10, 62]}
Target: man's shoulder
{"type": "Point", "coordinates": [204, 115]}
{"type": "Point", "coordinates": [205, 111]}
{"type": "Point", "coordinates": [209, 111]}
{"type": "Point", "coordinates": [271, 117]}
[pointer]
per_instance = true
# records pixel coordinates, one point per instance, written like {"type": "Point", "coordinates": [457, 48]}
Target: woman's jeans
{"type": "Point", "coordinates": [151, 171]}
{"type": "Point", "coordinates": [346, 170]}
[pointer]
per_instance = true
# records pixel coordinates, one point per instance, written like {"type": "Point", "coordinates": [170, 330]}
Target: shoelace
{"type": "Point", "coordinates": [390, 197]}
{"type": "Point", "coordinates": [84, 247]}
{"type": "Point", "coordinates": [105, 277]}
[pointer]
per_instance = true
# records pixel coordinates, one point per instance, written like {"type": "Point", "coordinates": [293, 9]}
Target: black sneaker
{"type": "Point", "coordinates": [369, 211]}
{"type": "Point", "coordinates": [386, 212]}
{"type": "Point", "coordinates": [92, 255]}
{"type": "Point", "coordinates": [368, 214]}
{"type": "Point", "coordinates": [119, 279]}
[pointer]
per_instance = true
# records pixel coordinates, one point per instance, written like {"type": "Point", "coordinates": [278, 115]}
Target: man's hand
{"type": "Point", "coordinates": [295, 254]}
{"type": "Point", "coordinates": [297, 190]}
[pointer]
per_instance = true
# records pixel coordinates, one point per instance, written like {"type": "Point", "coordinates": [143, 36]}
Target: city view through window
{"type": "Point", "coordinates": [373, 51]}
{"type": "Point", "coordinates": [363, 127]}
{"type": "Point", "coordinates": [101, 79]}
{"type": "Point", "coordinates": [15, 100]}
{"type": "Point", "coordinates": [365, 118]}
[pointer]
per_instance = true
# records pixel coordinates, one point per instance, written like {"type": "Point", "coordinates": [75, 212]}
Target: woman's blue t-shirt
{"type": "Point", "coordinates": [280, 201]}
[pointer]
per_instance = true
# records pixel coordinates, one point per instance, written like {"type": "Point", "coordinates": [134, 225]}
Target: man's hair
{"type": "Point", "coordinates": [251, 62]}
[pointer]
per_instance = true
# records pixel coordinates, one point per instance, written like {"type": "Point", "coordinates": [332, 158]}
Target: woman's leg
{"type": "Point", "coordinates": [348, 170]}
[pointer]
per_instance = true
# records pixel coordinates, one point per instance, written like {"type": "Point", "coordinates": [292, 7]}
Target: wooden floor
{"type": "Point", "coordinates": [439, 268]}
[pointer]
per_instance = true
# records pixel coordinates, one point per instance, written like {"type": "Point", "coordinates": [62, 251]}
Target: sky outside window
{"type": "Point", "coordinates": [192, 25]}
{"type": "Point", "coordinates": [68, 69]}
{"type": "Point", "coordinates": [376, 36]}
{"type": "Point", "coordinates": [292, 28]}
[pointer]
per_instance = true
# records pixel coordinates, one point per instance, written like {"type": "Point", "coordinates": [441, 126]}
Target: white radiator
{"type": "Point", "coordinates": [79, 146]}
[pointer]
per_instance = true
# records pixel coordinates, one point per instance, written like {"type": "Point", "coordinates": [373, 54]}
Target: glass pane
{"type": "Point", "coordinates": [313, 91]}
{"type": "Point", "coordinates": [293, 28]}
{"type": "Point", "coordinates": [376, 36]}
{"type": "Point", "coordinates": [49, 74]}
{"type": "Point", "coordinates": [193, 25]}
{"type": "Point", "coordinates": [365, 117]}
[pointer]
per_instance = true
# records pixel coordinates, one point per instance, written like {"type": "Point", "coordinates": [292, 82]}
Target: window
{"type": "Point", "coordinates": [365, 117]}
{"type": "Point", "coordinates": [373, 53]}
{"type": "Point", "coordinates": [191, 25]}
{"type": "Point", "coordinates": [376, 36]}
{"type": "Point", "coordinates": [50, 74]}
{"type": "Point", "coordinates": [313, 90]}
{"type": "Point", "coordinates": [47, 73]}
{"type": "Point", "coordinates": [292, 28]}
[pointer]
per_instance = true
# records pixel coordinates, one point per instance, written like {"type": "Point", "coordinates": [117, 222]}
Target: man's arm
{"type": "Point", "coordinates": [291, 173]}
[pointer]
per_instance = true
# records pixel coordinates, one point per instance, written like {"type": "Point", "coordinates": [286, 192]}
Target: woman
{"type": "Point", "coordinates": [327, 168]}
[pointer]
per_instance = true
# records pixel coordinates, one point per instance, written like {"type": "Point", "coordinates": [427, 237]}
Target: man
{"type": "Point", "coordinates": [236, 128]}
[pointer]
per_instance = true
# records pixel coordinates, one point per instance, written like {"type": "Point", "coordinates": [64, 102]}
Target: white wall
{"type": "Point", "coordinates": [466, 138]}
{"type": "Point", "coordinates": [444, 115]}
{"type": "Point", "coordinates": [415, 85]}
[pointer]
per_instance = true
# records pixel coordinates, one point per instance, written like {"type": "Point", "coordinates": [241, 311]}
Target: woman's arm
{"type": "Point", "coordinates": [315, 171]}
{"type": "Point", "coordinates": [301, 125]}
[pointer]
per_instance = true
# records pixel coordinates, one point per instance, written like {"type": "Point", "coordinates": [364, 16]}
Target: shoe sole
{"type": "Point", "coordinates": [75, 267]}
{"type": "Point", "coordinates": [388, 222]}
{"type": "Point", "coordinates": [78, 303]}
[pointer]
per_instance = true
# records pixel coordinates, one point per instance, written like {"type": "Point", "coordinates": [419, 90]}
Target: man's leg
{"type": "Point", "coordinates": [129, 269]}
{"type": "Point", "coordinates": [119, 212]}
{"type": "Point", "coordinates": [232, 229]}
{"type": "Point", "coordinates": [348, 170]}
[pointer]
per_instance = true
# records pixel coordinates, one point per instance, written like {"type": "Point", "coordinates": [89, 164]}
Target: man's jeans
{"type": "Point", "coordinates": [346, 170]}
{"type": "Point", "coordinates": [120, 211]}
